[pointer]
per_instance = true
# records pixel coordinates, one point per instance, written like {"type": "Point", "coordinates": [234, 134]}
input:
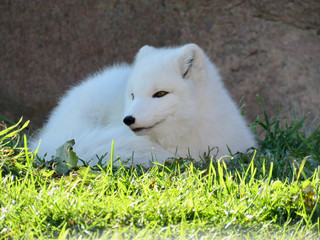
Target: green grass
{"type": "Point", "coordinates": [271, 193]}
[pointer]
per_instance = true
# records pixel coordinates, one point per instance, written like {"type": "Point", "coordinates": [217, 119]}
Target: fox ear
{"type": "Point", "coordinates": [144, 50]}
{"type": "Point", "coordinates": [191, 60]}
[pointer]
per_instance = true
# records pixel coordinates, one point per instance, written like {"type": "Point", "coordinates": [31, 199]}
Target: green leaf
{"type": "Point", "coordinates": [65, 158]}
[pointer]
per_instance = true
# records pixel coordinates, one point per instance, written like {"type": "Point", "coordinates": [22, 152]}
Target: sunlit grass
{"type": "Point", "coordinates": [269, 193]}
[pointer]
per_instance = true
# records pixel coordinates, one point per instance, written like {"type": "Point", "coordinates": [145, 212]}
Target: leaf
{"type": "Point", "coordinates": [65, 158]}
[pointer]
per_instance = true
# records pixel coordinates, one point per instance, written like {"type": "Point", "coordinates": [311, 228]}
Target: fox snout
{"type": "Point", "coordinates": [129, 120]}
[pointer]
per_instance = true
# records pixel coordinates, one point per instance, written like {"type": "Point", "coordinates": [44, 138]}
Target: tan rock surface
{"type": "Point", "coordinates": [271, 48]}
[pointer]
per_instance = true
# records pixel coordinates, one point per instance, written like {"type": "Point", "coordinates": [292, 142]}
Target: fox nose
{"type": "Point", "coordinates": [128, 120]}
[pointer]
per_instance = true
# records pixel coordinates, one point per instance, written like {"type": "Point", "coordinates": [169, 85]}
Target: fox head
{"type": "Point", "coordinates": [163, 91]}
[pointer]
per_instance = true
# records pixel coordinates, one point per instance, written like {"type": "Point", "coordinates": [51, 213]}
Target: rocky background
{"type": "Point", "coordinates": [265, 47]}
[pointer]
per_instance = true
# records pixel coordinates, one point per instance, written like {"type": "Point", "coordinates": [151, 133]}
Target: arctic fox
{"type": "Point", "coordinates": [169, 102]}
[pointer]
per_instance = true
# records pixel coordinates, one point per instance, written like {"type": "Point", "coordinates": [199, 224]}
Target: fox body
{"type": "Point", "coordinates": [168, 102]}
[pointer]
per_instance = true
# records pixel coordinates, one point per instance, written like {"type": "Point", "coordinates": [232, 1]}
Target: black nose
{"type": "Point", "coordinates": [128, 120]}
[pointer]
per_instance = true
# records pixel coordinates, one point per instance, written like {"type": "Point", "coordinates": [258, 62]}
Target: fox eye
{"type": "Point", "coordinates": [159, 94]}
{"type": "Point", "coordinates": [132, 96]}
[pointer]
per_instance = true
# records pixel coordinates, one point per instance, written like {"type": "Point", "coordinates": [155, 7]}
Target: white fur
{"type": "Point", "coordinates": [197, 112]}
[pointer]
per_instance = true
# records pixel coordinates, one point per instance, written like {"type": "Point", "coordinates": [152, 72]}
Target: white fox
{"type": "Point", "coordinates": [169, 102]}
